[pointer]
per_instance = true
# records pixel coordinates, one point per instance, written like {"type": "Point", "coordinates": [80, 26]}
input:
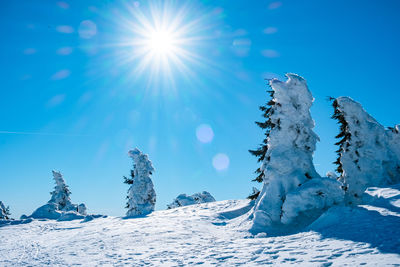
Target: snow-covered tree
{"type": "Point", "coordinates": [61, 193]}
{"type": "Point", "coordinates": [368, 154]}
{"type": "Point", "coordinates": [141, 194]}
{"type": "Point", "coordinates": [4, 212]}
{"type": "Point", "coordinates": [261, 151]}
{"type": "Point", "coordinates": [393, 134]}
{"type": "Point", "coordinates": [288, 164]}
{"type": "Point", "coordinates": [60, 202]}
{"type": "Point", "coordinates": [185, 200]}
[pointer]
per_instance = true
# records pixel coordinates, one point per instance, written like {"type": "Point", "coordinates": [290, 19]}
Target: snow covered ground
{"type": "Point", "coordinates": [211, 234]}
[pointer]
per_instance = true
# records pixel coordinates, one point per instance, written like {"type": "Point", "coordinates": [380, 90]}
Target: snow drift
{"type": "Point", "coordinates": [198, 235]}
{"type": "Point", "coordinates": [185, 200]}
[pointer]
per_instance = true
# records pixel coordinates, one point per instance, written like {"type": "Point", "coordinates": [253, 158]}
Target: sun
{"type": "Point", "coordinates": [161, 42]}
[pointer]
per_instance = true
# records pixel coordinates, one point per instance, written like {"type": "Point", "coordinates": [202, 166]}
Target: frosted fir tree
{"type": "Point", "coordinates": [61, 193]}
{"type": "Point", "coordinates": [261, 151]}
{"type": "Point", "coordinates": [185, 200]}
{"type": "Point", "coordinates": [141, 194]}
{"type": "Point", "coordinates": [288, 164]}
{"type": "Point", "coordinates": [59, 206]}
{"type": "Point", "coordinates": [393, 134]}
{"type": "Point", "coordinates": [4, 212]}
{"type": "Point", "coordinates": [368, 154]}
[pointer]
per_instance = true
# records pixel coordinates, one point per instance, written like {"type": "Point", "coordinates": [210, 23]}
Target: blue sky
{"type": "Point", "coordinates": [75, 95]}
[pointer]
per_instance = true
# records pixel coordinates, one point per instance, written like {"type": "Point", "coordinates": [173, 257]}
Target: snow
{"type": "Point", "coordinates": [310, 200]}
{"type": "Point", "coordinates": [370, 155]}
{"type": "Point", "coordinates": [47, 211]}
{"type": "Point", "coordinates": [141, 194]}
{"type": "Point", "coordinates": [185, 200]}
{"type": "Point", "coordinates": [288, 164]}
{"type": "Point", "coordinates": [211, 234]}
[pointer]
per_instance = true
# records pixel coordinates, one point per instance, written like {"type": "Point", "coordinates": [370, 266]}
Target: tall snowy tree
{"type": "Point", "coordinates": [261, 151]}
{"type": "Point", "coordinates": [368, 154]}
{"type": "Point", "coordinates": [4, 212]}
{"type": "Point", "coordinates": [61, 193]}
{"type": "Point", "coordinates": [287, 163]}
{"type": "Point", "coordinates": [141, 194]}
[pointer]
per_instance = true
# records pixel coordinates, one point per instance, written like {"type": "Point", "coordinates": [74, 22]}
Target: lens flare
{"type": "Point", "coordinates": [220, 162]}
{"type": "Point", "coordinates": [204, 133]}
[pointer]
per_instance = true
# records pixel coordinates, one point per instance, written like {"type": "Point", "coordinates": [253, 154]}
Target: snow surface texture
{"type": "Point", "coordinates": [3, 212]}
{"type": "Point", "coordinates": [370, 156]}
{"type": "Point", "coordinates": [185, 200]}
{"type": "Point", "coordinates": [141, 194]}
{"type": "Point", "coordinates": [211, 234]}
{"type": "Point", "coordinates": [60, 206]}
{"type": "Point", "coordinates": [289, 189]}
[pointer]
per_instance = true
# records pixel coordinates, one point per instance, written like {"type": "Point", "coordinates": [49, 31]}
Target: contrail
{"type": "Point", "coordinates": [41, 133]}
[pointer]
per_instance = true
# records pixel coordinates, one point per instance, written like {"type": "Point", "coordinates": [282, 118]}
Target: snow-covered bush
{"type": "Point", "coordinates": [141, 194]}
{"type": "Point", "coordinates": [288, 165]}
{"type": "Point", "coordinates": [185, 200]}
{"type": "Point", "coordinates": [4, 212]}
{"type": "Point", "coordinates": [368, 154]}
{"type": "Point", "coordinates": [60, 202]}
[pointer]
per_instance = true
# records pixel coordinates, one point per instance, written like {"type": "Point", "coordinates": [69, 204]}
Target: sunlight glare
{"type": "Point", "coordinates": [161, 42]}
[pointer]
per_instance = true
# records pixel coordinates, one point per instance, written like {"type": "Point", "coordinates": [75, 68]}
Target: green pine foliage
{"type": "Point", "coordinates": [261, 151]}
{"type": "Point", "coordinates": [344, 135]}
{"type": "Point", "coordinates": [129, 181]}
{"type": "Point", "coordinates": [7, 211]}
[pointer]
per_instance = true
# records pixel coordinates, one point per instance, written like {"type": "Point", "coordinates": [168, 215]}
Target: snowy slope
{"type": "Point", "coordinates": [211, 233]}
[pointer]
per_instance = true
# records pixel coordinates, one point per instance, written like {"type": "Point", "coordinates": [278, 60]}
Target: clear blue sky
{"type": "Point", "coordinates": [76, 95]}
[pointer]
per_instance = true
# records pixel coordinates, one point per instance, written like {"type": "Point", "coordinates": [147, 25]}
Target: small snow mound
{"type": "Point", "coordinates": [47, 211]}
{"type": "Point", "coordinates": [69, 216]}
{"type": "Point", "coordinates": [185, 200]}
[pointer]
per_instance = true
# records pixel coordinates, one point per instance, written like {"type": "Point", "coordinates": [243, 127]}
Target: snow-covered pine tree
{"type": "Point", "coordinates": [291, 142]}
{"type": "Point", "coordinates": [368, 154]}
{"type": "Point", "coordinates": [263, 147]}
{"type": "Point", "coordinates": [59, 206]}
{"type": "Point", "coordinates": [61, 193]}
{"type": "Point", "coordinates": [141, 194]}
{"type": "Point", "coordinates": [393, 134]}
{"type": "Point", "coordinates": [4, 212]}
